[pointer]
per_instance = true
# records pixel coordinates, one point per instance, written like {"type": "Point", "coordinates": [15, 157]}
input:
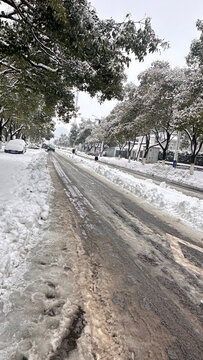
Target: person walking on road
{"type": "Point", "coordinates": [96, 154]}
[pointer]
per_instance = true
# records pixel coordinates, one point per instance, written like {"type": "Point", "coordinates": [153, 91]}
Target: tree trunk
{"type": "Point", "coordinates": [130, 148]}
{"type": "Point", "coordinates": [164, 155]}
{"type": "Point", "coordinates": [1, 131]}
{"type": "Point", "coordinates": [167, 140]}
{"type": "Point", "coordinates": [138, 153]}
{"type": "Point", "coordinates": [6, 135]}
{"type": "Point", "coordinates": [192, 169]}
{"type": "Point", "coordinates": [143, 156]}
{"type": "Point", "coordinates": [193, 158]}
{"type": "Point", "coordinates": [2, 127]}
{"type": "Point", "coordinates": [195, 148]}
{"type": "Point", "coordinates": [129, 151]}
{"type": "Point", "coordinates": [146, 150]}
{"type": "Point", "coordinates": [194, 154]}
{"type": "Point", "coordinates": [192, 162]}
{"type": "Point", "coordinates": [147, 145]}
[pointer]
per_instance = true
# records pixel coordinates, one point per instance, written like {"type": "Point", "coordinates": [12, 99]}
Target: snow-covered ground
{"type": "Point", "coordinates": [25, 190]}
{"type": "Point", "coordinates": [25, 187]}
{"type": "Point", "coordinates": [167, 172]}
{"type": "Point", "coordinates": [24, 205]}
{"type": "Point", "coordinates": [163, 197]}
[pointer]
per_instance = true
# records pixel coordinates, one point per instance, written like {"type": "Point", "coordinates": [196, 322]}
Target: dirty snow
{"type": "Point", "coordinates": [163, 197]}
{"type": "Point", "coordinates": [24, 192]}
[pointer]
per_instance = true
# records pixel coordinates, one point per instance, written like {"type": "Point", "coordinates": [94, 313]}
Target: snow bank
{"type": "Point", "coordinates": [183, 207]}
{"type": "Point", "coordinates": [167, 172]}
{"type": "Point", "coordinates": [24, 193]}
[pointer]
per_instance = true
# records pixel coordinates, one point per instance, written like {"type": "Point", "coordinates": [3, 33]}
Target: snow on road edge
{"type": "Point", "coordinates": [21, 218]}
{"type": "Point", "coordinates": [167, 172]}
{"type": "Point", "coordinates": [183, 207]}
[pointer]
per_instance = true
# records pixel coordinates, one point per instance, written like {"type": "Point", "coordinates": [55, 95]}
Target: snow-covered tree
{"type": "Point", "coordinates": [39, 126]}
{"type": "Point", "coordinates": [159, 85]}
{"type": "Point", "coordinates": [115, 132]}
{"type": "Point", "coordinates": [73, 134]}
{"type": "Point", "coordinates": [58, 46]}
{"type": "Point", "coordinates": [118, 127]}
{"type": "Point", "coordinates": [132, 117]}
{"type": "Point", "coordinates": [17, 106]}
{"type": "Point", "coordinates": [189, 107]}
{"type": "Point", "coordinates": [84, 130]}
{"type": "Point", "coordinates": [63, 140]}
{"type": "Point", "coordinates": [195, 56]}
{"type": "Point", "coordinates": [189, 114]}
{"type": "Point", "coordinates": [96, 138]}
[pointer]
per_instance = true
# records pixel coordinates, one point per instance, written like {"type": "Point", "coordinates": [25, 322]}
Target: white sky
{"type": "Point", "coordinates": [172, 20]}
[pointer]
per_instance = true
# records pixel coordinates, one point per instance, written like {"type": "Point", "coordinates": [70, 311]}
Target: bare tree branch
{"type": "Point", "coordinates": [9, 66]}
{"type": "Point", "coordinates": [40, 65]}
{"type": "Point", "coordinates": [188, 134]}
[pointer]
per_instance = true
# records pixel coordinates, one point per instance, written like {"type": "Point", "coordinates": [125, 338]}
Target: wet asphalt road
{"type": "Point", "coordinates": [143, 276]}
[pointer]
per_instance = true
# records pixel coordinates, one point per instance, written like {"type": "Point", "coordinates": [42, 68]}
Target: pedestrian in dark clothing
{"type": "Point", "coordinates": [96, 154]}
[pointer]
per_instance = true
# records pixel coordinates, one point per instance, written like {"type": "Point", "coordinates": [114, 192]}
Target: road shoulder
{"type": "Point", "coordinates": [44, 312]}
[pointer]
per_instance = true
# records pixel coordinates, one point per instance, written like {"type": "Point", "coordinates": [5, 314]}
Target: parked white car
{"type": "Point", "coordinates": [16, 146]}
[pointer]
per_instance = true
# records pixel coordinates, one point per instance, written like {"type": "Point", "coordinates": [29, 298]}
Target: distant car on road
{"type": "Point", "coordinates": [16, 146]}
{"type": "Point", "coordinates": [50, 148]}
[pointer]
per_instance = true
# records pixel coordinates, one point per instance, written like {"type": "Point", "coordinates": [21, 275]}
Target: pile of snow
{"type": "Point", "coordinates": [24, 205]}
{"type": "Point", "coordinates": [167, 172]}
{"type": "Point", "coordinates": [183, 207]}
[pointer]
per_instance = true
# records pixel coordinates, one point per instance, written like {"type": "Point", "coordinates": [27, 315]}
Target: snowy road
{"type": "Point", "coordinates": [196, 188]}
{"type": "Point", "coordinates": [139, 272]}
{"type": "Point", "coordinates": [91, 271]}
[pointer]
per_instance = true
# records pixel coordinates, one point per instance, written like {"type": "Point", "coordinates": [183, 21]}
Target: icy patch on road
{"type": "Point", "coordinates": [24, 193]}
{"type": "Point", "coordinates": [183, 207]}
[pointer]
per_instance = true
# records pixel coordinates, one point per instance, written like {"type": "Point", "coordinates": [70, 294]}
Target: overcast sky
{"type": "Point", "coordinates": [172, 20]}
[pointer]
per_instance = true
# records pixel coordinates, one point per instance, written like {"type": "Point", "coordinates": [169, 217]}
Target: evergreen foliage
{"type": "Point", "coordinates": [60, 45]}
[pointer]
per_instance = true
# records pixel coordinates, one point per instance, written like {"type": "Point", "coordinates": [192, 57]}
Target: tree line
{"type": "Point", "coordinates": [165, 102]}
